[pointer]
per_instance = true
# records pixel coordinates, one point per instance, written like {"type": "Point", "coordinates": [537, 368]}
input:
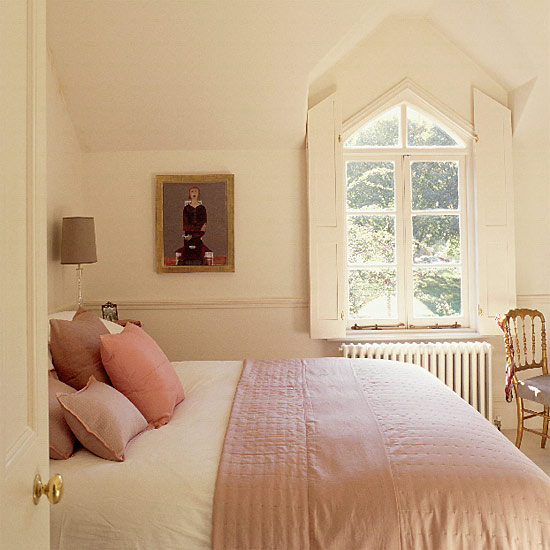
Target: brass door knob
{"type": "Point", "coordinates": [53, 489]}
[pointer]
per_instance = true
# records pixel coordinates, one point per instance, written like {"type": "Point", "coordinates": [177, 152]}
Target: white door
{"type": "Point", "coordinates": [23, 300]}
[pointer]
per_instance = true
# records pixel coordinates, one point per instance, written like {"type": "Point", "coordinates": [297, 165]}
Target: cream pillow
{"type": "Point", "coordinates": [113, 328]}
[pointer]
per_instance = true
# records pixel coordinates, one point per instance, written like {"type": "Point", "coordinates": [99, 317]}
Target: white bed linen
{"type": "Point", "coordinates": [167, 480]}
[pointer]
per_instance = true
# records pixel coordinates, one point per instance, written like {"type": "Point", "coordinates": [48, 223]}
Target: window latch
{"type": "Point", "coordinates": [437, 326]}
{"type": "Point", "coordinates": [375, 326]}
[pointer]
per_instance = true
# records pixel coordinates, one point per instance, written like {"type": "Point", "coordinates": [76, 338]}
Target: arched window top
{"type": "Point", "coordinates": [382, 131]}
{"type": "Point", "coordinates": [403, 126]}
{"type": "Point", "coordinates": [425, 131]}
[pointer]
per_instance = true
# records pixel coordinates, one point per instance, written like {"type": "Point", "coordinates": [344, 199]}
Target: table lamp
{"type": "Point", "coordinates": [78, 245]}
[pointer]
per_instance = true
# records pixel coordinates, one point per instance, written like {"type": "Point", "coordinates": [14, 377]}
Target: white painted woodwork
{"type": "Point", "coordinates": [495, 211]}
{"type": "Point", "coordinates": [410, 92]}
{"type": "Point", "coordinates": [23, 288]}
{"type": "Point", "coordinates": [326, 220]}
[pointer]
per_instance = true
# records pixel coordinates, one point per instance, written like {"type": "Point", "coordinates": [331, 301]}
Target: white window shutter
{"type": "Point", "coordinates": [326, 221]}
{"type": "Point", "coordinates": [495, 211]}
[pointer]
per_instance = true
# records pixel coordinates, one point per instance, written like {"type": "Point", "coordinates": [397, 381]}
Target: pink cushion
{"type": "Point", "coordinates": [139, 369]}
{"type": "Point", "coordinates": [61, 436]}
{"type": "Point", "coordinates": [75, 348]}
{"type": "Point", "coordinates": [102, 419]}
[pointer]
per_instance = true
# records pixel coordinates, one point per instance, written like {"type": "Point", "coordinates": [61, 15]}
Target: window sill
{"type": "Point", "coordinates": [434, 335]}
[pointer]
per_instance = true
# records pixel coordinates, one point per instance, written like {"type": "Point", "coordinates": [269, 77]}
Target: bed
{"type": "Point", "coordinates": [450, 479]}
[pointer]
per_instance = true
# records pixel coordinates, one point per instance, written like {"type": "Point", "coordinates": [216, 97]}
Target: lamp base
{"type": "Point", "coordinates": [79, 283]}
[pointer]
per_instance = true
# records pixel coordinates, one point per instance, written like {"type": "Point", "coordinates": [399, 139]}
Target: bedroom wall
{"type": "Point", "coordinates": [260, 310]}
{"type": "Point", "coordinates": [532, 184]}
{"type": "Point", "coordinates": [65, 180]}
{"type": "Point", "coordinates": [415, 49]}
{"type": "Point", "coordinates": [406, 48]}
{"type": "Point", "coordinates": [531, 123]}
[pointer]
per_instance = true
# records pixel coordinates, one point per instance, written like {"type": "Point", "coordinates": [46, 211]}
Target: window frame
{"type": "Point", "coordinates": [403, 156]}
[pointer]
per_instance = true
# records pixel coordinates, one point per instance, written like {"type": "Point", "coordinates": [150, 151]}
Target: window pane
{"type": "Point", "coordinates": [423, 131]}
{"type": "Point", "coordinates": [434, 185]}
{"type": "Point", "coordinates": [436, 292]}
{"type": "Point", "coordinates": [373, 293]}
{"type": "Point", "coordinates": [436, 239]}
{"type": "Point", "coordinates": [383, 131]}
{"type": "Point", "coordinates": [371, 239]}
{"type": "Point", "coordinates": [370, 185]}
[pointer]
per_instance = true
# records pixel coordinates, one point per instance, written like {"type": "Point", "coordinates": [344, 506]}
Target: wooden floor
{"type": "Point", "coordinates": [530, 445]}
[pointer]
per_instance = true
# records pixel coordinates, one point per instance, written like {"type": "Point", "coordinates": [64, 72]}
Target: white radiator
{"type": "Point", "coordinates": [463, 366]}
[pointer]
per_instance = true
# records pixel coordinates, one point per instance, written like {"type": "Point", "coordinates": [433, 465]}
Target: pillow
{"type": "Point", "coordinates": [61, 437]}
{"type": "Point", "coordinates": [75, 349]}
{"type": "Point", "coordinates": [63, 315]}
{"type": "Point", "coordinates": [51, 367]}
{"type": "Point", "coordinates": [113, 328]}
{"type": "Point", "coordinates": [139, 369]}
{"type": "Point", "coordinates": [66, 316]}
{"type": "Point", "coordinates": [102, 419]}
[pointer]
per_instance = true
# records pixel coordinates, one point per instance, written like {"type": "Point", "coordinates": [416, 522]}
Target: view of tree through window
{"type": "Point", "coordinates": [424, 132]}
{"type": "Point", "coordinates": [403, 220]}
{"type": "Point", "coordinates": [383, 131]}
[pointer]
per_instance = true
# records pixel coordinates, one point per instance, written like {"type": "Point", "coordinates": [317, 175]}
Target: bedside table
{"type": "Point", "coordinates": [124, 322]}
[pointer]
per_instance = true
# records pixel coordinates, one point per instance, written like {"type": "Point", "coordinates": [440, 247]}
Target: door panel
{"type": "Point", "coordinates": [23, 292]}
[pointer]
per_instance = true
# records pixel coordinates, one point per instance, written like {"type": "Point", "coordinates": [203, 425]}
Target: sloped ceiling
{"type": "Point", "coordinates": [234, 74]}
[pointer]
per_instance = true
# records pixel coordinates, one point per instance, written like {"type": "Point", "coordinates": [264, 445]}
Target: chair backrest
{"type": "Point", "coordinates": [525, 338]}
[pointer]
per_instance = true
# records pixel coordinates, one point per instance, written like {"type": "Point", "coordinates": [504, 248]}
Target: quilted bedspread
{"type": "Point", "coordinates": [338, 453]}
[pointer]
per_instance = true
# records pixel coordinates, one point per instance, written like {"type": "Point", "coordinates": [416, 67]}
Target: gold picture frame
{"type": "Point", "coordinates": [195, 223]}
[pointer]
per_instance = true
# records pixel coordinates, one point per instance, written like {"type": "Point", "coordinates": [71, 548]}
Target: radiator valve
{"type": "Point", "coordinates": [498, 422]}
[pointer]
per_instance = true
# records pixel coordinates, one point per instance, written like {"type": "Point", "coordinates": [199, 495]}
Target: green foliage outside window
{"type": "Point", "coordinates": [423, 132]}
{"type": "Point", "coordinates": [439, 290]}
{"type": "Point", "coordinates": [370, 185]}
{"type": "Point", "coordinates": [436, 236]}
{"type": "Point", "coordinates": [366, 286]}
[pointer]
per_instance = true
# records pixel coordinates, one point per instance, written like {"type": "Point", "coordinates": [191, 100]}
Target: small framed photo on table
{"type": "Point", "coordinates": [109, 312]}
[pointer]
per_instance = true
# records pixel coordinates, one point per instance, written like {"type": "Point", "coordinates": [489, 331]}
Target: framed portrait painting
{"type": "Point", "coordinates": [195, 223]}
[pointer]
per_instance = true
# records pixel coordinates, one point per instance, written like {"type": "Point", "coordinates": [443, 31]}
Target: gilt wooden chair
{"type": "Point", "coordinates": [525, 339]}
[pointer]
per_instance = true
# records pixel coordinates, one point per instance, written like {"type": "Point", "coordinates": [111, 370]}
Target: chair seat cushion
{"type": "Point", "coordinates": [535, 389]}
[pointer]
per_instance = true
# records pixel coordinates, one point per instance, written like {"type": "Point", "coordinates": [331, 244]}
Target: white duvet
{"type": "Point", "coordinates": [161, 496]}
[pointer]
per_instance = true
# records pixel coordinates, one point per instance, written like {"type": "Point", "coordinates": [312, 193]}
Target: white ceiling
{"type": "Point", "coordinates": [234, 74]}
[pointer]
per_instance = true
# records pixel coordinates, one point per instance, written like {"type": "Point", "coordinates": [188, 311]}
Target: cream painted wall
{"type": "Point", "coordinates": [270, 225]}
{"type": "Point", "coordinates": [531, 121]}
{"type": "Point", "coordinates": [260, 310]}
{"type": "Point", "coordinates": [65, 179]}
{"type": "Point", "coordinates": [406, 48]}
{"type": "Point", "coordinates": [532, 191]}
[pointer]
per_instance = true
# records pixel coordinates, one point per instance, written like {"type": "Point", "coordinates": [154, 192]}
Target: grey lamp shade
{"type": "Point", "coordinates": [78, 241]}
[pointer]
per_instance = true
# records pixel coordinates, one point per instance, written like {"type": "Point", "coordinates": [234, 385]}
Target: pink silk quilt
{"type": "Point", "coordinates": [338, 453]}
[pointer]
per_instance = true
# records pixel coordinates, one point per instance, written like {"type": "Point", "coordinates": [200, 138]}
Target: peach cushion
{"type": "Point", "coordinates": [139, 369]}
{"type": "Point", "coordinates": [61, 436]}
{"type": "Point", "coordinates": [75, 348]}
{"type": "Point", "coordinates": [102, 419]}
